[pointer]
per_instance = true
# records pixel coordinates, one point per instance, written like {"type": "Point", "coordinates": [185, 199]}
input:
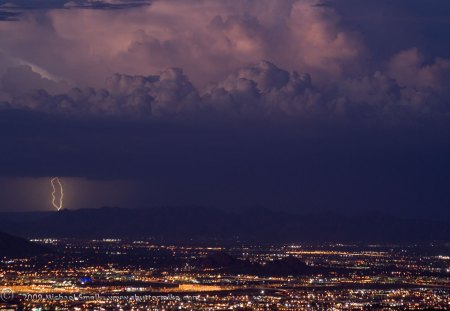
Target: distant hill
{"type": "Point", "coordinates": [252, 225]}
{"type": "Point", "coordinates": [285, 266]}
{"type": "Point", "coordinates": [12, 246]}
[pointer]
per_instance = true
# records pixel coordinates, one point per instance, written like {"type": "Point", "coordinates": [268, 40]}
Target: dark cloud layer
{"type": "Point", "coordinates": [11, 10]}
{"type": "Point", "coordinates": [23, 5]}
{"type": "Point", "coordinates": [288, 104]}
{"type": "Point", "coordinates": [392, 26]}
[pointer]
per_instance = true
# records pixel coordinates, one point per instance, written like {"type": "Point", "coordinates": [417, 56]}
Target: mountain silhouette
{"type": "Point", "coordinates": [193, 223]}
{"type": "Point", "coordinates": [13, 246]}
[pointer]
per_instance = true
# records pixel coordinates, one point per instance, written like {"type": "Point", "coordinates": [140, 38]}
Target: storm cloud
{"type": "Point", "coordinates": [252, 58]}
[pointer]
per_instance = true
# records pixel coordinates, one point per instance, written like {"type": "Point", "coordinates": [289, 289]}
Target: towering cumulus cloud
{"type": "Point", "coordinates": [258, 91]}
{"type": "Point", "coordinates": [252, 58]}
{"type": "Point", "coordinates": [197, 36]}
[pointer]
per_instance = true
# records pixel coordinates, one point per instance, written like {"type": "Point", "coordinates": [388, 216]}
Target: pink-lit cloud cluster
{"type": "Point", "coordinates": [67, 60]}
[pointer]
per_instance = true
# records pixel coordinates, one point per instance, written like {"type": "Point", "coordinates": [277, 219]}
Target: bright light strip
{"type": "Point", "coordinates": [60, 205]}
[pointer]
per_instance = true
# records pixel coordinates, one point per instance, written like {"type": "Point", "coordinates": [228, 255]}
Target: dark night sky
{"type": "Point", "coordinates": [294, 105]}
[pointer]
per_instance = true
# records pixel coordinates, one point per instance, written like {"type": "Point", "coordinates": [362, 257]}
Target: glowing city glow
{"type": "Point", "coordinates": [56, 183]}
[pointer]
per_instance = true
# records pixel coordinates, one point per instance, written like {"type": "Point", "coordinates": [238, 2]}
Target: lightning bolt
{"type": "Point", "coordinates": [54, 181]}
